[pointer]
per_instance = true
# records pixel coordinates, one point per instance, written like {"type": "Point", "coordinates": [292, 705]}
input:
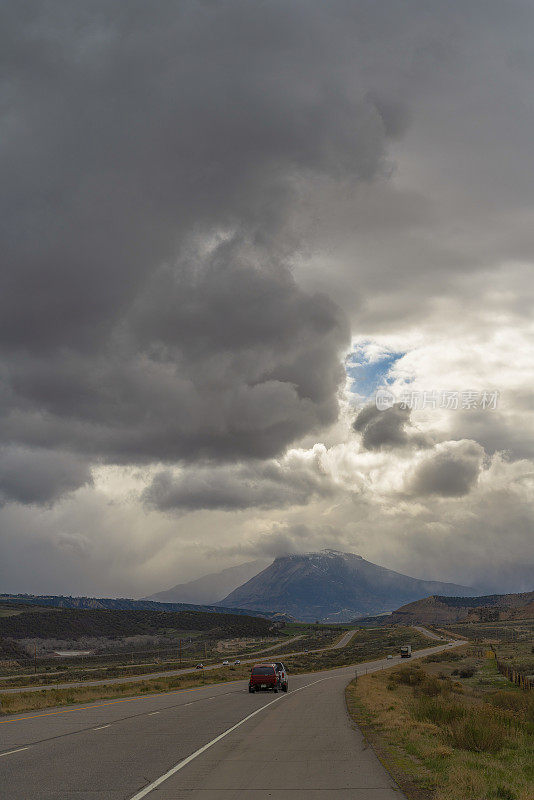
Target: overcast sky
{"type": "Point", "coordinates": [225, 226]}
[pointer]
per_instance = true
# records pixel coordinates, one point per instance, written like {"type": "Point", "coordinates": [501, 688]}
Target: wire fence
{"type": "Point", "coordinates": [514, 675]}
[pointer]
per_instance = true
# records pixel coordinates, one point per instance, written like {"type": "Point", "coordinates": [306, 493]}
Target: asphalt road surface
{"type": "Point", "coordinates": [211, 743]}
{"type": "Point", "coordinates": [426, 632]}
{"type": "Point", "coordinates": [343, 642]}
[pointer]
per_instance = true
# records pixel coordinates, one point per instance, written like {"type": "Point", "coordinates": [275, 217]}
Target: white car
{"type": "Point", "coordinates": [389, 657]}
{"type": "Point", "coordinates": [281, 674]}
{"type": "Point", "coordinates": [237, 662]}
{"type": "Point", "coordinates": [226, 663]}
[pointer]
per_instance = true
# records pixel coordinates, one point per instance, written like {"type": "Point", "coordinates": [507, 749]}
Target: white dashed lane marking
{"type": "Point", "coordinates": [18, 750]}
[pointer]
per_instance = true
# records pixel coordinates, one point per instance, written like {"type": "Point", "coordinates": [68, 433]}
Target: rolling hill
{"type": "Point", "coordinates": [439, 610]}
{"type": "Point", "coordinates": [332, 586]}
{"type": "Point", "coordinates": [64, 623]}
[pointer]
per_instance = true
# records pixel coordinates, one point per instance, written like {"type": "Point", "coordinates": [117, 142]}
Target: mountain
{"type": "Point", "coordinates": [332, 586]}
{"type": "Point", "coordinates": [438, 610]}
{"type": "Point", "coordinates": [213, 587]}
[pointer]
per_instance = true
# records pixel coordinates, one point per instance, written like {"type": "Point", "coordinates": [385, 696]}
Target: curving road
{"type": "Point", "coordinates": [216, 742]}
{"type": "Point", "coordinates": [170, 672]}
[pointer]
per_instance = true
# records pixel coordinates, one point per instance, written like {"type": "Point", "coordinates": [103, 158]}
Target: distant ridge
{"type": "Point", "coordinates": [438, 610]}
{"type": "Point", "coordinates": [121, 604]}
{"type": "Point", "coordinates": [334, 586]}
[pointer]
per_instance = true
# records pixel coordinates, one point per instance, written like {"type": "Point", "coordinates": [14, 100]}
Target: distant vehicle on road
{"type": "Point", "coordinates": [389, 657]}
{"type": "Point", "coordinates": [263, 676]}
{"type": "Point", "coordinates": [199, 666]}
{"type": "Point", "coordinates": [226, 663]}
{"type": "Point", "coordinates": [406, 651]}
{"type": "Point", "coordinates": [237, 662]}
{"type": "Point", "coordinates": [282, 675]}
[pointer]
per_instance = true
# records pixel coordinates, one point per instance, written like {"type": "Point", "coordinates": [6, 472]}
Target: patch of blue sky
{"type": "Point", "coordinates": [370, 371]}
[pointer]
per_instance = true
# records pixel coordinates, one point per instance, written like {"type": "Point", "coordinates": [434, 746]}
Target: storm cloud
{"type": "Point", "coordinates": [204, 208]}
{"type": "Point", "coordinates": [152, 162]}
{"type": "Point", "coordinates": [451, 471]}
{"type": "Point", "coordinates": [294, 480]}
{"type": "Point", "coordinates": [388, 428]}
{"type": "Point", "coordinates": [39, 477]}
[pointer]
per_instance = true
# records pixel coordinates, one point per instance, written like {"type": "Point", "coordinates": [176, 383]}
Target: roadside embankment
{"type": "Point", "coordinates": [449, 728]}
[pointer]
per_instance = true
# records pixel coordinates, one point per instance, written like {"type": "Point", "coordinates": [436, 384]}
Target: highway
{"type": "Point", "coordinates": [256, 657]}
{"type": "Point", "coordinates": [216, 742]}
{"type": "Point", "coordinates": [33, 675]}
{"type": "Point", "coordinates": [426, 632]}
{"type": "Point", "coordinates": [343, 642]}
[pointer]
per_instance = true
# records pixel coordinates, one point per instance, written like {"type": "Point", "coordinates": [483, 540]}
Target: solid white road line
{"type": "Point", "coordinates": [18, 750]}
{"type": "Point", "coordinates": [186, 761]}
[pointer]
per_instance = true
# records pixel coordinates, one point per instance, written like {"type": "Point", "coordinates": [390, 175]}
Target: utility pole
{"type": "Point", "coordinates": [180, 651]}
{"type": "Point", "coordinates": [35, 659]}
{"type": "Point", "coordinates": [205, 651]}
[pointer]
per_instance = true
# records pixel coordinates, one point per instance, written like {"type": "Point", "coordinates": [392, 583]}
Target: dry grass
{"type": "Point", "coordinates": [19, 702]}
{"type": "Point", "coordinates": [449, 744]}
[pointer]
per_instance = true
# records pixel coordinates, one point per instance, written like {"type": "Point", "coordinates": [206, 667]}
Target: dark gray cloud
{"type": "Point", "coordinates": [39, 477]}
{"type": "Point", "coordinates": [152, 163]}
{"type": "Point", "coordinates": [450, 472]}
{"type": "Point", "coordinates": [269, 484]}
{"type": "Point", "coordinates": [232, 361]}
{"type": "Point", "coordinates": [388, 429]}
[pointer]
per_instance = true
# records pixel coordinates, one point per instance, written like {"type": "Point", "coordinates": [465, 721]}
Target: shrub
{"type": "Point", "coordinates": [430, 687]}
{"type": "Point", "coordinates": [438, 711]}
{"type": "Point", "coordinates": [504, 793]}
{"type": "Point", "coordinates": [445, 656]}
{"type": "Point", "coordinates": [467, 672]}
{"type": "Point", "coordinates": [510, 701]}
{"type": "Point", "coordinates": [482, 732]}
{"type": "Point", "coordinates": [409, 676]}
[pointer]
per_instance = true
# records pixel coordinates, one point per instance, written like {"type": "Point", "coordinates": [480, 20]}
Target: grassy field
{"type": "Point", "coordinates": [451, 728]}
{"type": "Point", "coordinates": [311, 638]}
{"type": "Point", "coordinates": [512, 641]}
{"type": "Point", "coordinates": [496, 632]}
{"type": "Point", "coordinates": [295, 628]}
{"type": "Point", "coordinates": [370, 644]}
{"type": "Point", "coordinates": [128, 662]}
{"type": "Point", "coordinates": [366, 645]}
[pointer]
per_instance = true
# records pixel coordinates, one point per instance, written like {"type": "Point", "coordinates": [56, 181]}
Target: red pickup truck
{"type": "Point", "coordinates": [263, 676]}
